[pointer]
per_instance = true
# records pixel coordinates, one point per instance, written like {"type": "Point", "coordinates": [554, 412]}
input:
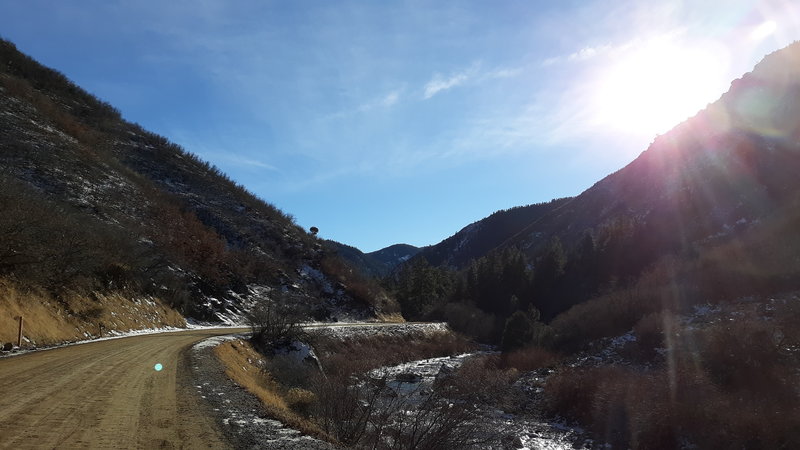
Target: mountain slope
{"type": "Point", "coordinates": [725, 169]}
{"type": "Point", "coordinates": [477, 239]}
{"type": "Point", "coordinates": [93, 203]}
{"type": "Point", "coordinates": [708, 211]}
{"type": "Point", "coordinates": [395, 254]}
{"type": "Point", "coordinates": [731, 165]}
{"type": "Point", "coordinates": [374, 264]}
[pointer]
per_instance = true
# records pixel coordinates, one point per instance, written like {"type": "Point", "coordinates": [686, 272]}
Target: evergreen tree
{"type": "Point", "coordinates": [419, 287]}
{"type": "Point", "coordinates": [518, 331]}
{"type": "Point", "coordinates": [546, 277]}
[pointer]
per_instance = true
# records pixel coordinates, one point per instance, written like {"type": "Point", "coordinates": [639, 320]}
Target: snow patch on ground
{"type": "Point", "coordinates": [353, 330]}
{"type": "Point", "coordinates": [528, 432]}
{"type": "Point", "coordinates": [217, 340]}
{"type": "Point", "coordinates": [311, 273]}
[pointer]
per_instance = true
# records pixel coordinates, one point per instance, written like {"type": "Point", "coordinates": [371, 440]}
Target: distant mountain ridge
{"type": "Point", "coordinates": [374, 264]}
{"type": "Point", "coordinates": [394, 254]}
{"type": "Point", "coordinates": [478, 238]}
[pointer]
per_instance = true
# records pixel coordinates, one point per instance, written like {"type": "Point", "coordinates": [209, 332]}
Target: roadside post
{"type": "Point", "coordinates": [19, 335]}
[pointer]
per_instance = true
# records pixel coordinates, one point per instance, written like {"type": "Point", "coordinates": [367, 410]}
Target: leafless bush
{"type": "Point", "coordinates": [366, 412]}
{"type": "Point", "coordinates": [743, 355]}
{"type": "Point", "coordinates": [347, 407]}
{"type": "Point", "coordinates": [437, 422]}
{"type": "Point", "coordinates": [470, 320]}
{"type": "Point", "coordinates": [608, 315]}
{"type": "Point", "coordinates": [481, 382]}
{"type": "Point", "coordinates": [660, 408]}
{"type": "Point", "coordinates": [275, 322]}
{"type": "Point", "coordinates": [526, 359]}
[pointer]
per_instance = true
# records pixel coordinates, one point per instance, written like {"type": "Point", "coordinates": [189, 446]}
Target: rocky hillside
{"type": "Point", "coordinates": [93, 203]}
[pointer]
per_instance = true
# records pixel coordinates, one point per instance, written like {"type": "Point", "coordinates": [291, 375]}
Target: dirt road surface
{"type": "Point", "coordinates": [107, 394]}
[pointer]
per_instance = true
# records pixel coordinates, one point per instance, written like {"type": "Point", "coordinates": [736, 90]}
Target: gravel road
{"type": "Point", "coordinates": [107, 394]}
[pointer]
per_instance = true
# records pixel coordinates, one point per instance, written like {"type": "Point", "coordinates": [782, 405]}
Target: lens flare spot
{"type": "Point", "coordinates": [158, 367]}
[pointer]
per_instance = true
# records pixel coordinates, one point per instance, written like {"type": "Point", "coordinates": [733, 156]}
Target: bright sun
{"type": "Point", "coordinates": [656, 85]}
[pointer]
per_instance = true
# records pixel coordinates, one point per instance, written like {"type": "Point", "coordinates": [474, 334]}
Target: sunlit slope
{"type": "Point", "coordinates": [94, 204]}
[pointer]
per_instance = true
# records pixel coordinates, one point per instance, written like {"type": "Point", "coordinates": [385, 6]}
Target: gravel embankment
{"type": "Point", "coordinates": [238, 413]}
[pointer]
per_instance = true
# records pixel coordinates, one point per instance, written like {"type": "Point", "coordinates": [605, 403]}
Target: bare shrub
{"type": "Point", "coordinates": [570, 393]}
{"type": "Point", "coordinates": [365, 412]}
{"type": "Point", "coordinates": [438, 422]}
{"type": "Point", "coordinates": [527, 359]}
{"type": "Point", "coordinates": [743, 355]}
{"type": "Point", "coordinates": [346, 406]}
{"type": "Point", "coordinates": [470, 320]}
{"type": "Point", "coordinates": [787, 321]}
{"type": "Point", "coordinates": [608, 315]}
{"type": "Point", "coordinates": [275, 322]}
{"type": "Point", "coordinates": [362, 410]}
{"type": "Point", "coordinates": [649, 330]}
{"type": "Point", "coordinates": [237, 356]}
{"type": "Point", "coordinates": [651, 334]}
{"type": "Point", "coordinates": [662, 408]}
{"type": "Point", "coordinates": [481, 382]}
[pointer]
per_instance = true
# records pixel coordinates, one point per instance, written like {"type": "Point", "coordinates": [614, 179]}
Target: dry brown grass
{"type": "Point", "coordinates": [72, 317]}
{"type": "Point", "coordinates": [241, 363]}
{"type": "Point", "coordinates": [391, 317]}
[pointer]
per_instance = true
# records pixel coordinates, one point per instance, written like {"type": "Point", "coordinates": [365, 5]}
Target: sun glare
{"type": "Point", "coordinates": [652, 88]}
{"type": "Point", "coordinates": [764, 30]}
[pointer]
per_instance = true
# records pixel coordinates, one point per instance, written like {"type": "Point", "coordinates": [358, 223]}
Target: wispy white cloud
{"type": "Point", "coordinates": [439, 83]}
{"type": "Point", "coordinates": [584, 54]}
{"type": "Point", "coordinates": [503, 72]}
{"type": "Point", "coordinates": [385, 101]}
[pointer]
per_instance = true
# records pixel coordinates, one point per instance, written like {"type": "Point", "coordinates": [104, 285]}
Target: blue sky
{"type": "Point", "coordinates": [402, 121]}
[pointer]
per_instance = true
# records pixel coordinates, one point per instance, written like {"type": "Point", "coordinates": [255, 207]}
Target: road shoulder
{"type": "Point", "coordinates": [239, 414]}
